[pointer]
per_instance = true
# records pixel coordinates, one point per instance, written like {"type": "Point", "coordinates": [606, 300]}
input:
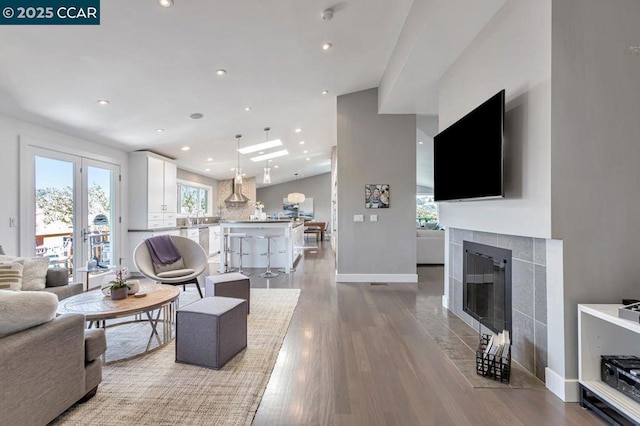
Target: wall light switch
{"type": "Point", "coordinates": [13, 222]}
{"type": "Point", "coordinates": [373, 218]}
{"type": "Point", "coordinates": [358, 218]}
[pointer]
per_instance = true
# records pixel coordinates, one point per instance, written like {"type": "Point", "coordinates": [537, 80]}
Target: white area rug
{"type": "Point", "coordinates": [155, 390]}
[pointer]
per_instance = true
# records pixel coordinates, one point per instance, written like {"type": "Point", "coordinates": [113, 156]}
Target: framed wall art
{"type": "Point", "coordinates": [377, 196]}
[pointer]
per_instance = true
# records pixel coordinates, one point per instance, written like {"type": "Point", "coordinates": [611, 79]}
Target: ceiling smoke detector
{"type": "Point", "coordinates": [327, 14]}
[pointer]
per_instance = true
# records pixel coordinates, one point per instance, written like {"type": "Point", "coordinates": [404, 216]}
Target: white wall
{"type": "Point", "coordinates": [595, 154]}
{"type": "Point", "coordinates": [381, 149]}
{"type": "Point", "coordinates": [512, 52]}
{"type": "Point", "coordinates": [316, 187]}
{"type": "Point", "coordinates": [11, 131]}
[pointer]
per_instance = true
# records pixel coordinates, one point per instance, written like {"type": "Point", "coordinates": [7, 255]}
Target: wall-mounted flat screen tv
{"type": "Point", "coordinates": [468, 155]}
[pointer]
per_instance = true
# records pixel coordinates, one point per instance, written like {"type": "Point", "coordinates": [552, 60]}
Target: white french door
{"type": "Point", "coordinates": [72, 211]}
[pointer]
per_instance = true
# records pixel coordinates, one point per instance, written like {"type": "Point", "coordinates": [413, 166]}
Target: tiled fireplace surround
{"type": "Point", "coordinates": [529, 292]}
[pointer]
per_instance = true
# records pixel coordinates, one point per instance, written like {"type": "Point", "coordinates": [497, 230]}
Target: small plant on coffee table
{"type": "Point", "coordinates": [119, 286]}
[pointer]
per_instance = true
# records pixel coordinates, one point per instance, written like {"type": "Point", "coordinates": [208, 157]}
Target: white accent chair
{"type": "Point", "coordinates": [193, 255]}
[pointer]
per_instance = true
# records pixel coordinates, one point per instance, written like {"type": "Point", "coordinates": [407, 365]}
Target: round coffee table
{"type": "Point", "coordinates": [97, 308]}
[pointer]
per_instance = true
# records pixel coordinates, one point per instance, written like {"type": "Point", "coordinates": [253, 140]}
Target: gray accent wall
{"type": "Point", "coordinates": [595, 196]}
{"type": "Point", "coordinates": [316, 187]}
{"type": "Point", "coordinates": [529, 292]}
{"type": "Point", "coordinates": [381, 149]}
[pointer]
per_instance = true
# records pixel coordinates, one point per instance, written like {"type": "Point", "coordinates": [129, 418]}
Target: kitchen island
{"type": "Point", "coordinates": [286, 247]}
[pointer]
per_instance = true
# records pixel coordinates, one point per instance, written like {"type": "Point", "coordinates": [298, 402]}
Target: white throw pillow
{"type": "Point", "coordinates": [34, 274]}
{"type": "Point", "coordinates": [11, 274]}
{"type": "Point", "coordinates": [20, 310]}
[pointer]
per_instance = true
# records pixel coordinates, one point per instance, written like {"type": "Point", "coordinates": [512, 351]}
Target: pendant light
{"type": "Point", "coordinates": [296, 197]}
{"type": "Point", "coordinates": [266, 178]}
{"type": "Point", "coordinates": [238, 180]}
{"type": "Point", "coordinates": [237, 197]}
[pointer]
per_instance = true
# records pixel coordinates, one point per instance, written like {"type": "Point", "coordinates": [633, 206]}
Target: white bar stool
{"type": "Point", "coordinates": [268, 273]}
{"type": "Point", "coordinates": [240, 236]}
{"type": "Point", "coordinates": [227, 251]}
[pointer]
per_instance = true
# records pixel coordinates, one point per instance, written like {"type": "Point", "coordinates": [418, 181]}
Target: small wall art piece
{"type": "Point", "coordinates": [377, 196]}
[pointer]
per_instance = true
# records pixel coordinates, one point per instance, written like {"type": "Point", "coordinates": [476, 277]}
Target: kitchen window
{"type": "Point", "coordinates": [193, 198]}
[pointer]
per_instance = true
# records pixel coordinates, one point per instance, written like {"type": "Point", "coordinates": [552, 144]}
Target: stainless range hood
{"type": "Point", "coordinates": [236, 197]}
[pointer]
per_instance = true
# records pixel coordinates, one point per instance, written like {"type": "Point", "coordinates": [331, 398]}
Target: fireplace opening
{"type": "Point", "coordinates": [487, 285]}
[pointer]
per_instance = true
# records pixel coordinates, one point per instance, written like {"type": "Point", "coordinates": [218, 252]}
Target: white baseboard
{"type": "Point", "coordinates": [376, 278]}
{"type": "Point", "coordinates": [565, 389]}
{"type": "Point", "coordinates": [445, 301]}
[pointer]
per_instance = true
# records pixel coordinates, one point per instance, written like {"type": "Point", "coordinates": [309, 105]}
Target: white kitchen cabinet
{"type": "Point", "coordinates": [152, 191]}
{"type": "Point", "coordinates": [191, 233]}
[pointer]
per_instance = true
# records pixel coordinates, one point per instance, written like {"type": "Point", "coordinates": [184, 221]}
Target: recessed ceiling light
{"type": "Point", "coordinates": [221, 71]}
{"type": "Point", "coordinates": [209, 159]}
{"type": "Point", "coordinates": [275, 167]}
{"type": "Point", "coordinates": [244, 174]}
{"type": "Point", "coordinates": [103, 102]}
{"type": "Point", "coordinates": [305, 151]}
{"type": "Point", "coordinates": [185, 148]}
{"type": "Point", "coordinates": [324, 92]}
{"type": "Point", "coordinates": [270, 155]}
{"type": "Point", "coordinates": [260, 146]}
{"type": "Point", "coordinates": [207, 170]}
{"type": "Point", "coordinates": [196, 116]}
{"type": "Point", "coordinates": [298, 130]}
{"type": "Point", "coordinates": [233, 169]}
{"type": "Point", "coordinates": [165, 3]}
{"type": "Point", "coordinates": [308, 158]}
{"type": "Point", "coordinates": [301, 142]}
{"type": "Point", "coordinates": [327, 46]}
{"type": "Point", "coordinates": [247, 108]}
{"type": "Point", "coordinates": [159, 130]}
{"type": "Point", "coordinates": [420, 142]}
{"type": "Point", "coordinates": [261, 152]}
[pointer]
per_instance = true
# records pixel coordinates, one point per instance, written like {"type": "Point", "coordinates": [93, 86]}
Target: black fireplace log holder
{"type": "Point", "coordinates": [492, 366]}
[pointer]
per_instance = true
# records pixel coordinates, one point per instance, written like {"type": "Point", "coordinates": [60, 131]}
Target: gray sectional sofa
{"type": "Point", "coordinates": [46, 369]}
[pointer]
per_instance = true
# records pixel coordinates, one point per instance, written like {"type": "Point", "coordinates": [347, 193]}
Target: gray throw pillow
{"type": "Point", "coordinates": [57, 277]}
{"type": "Point", "coordinates": [1, 250]}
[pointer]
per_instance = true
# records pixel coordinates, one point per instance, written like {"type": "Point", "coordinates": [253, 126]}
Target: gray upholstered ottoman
{"type": "Point", "coordinates": [228, 285]}
{"type": "Point", "coordinates": [211, 331]}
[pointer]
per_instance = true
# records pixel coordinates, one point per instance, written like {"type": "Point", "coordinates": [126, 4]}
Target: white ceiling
{"type": "Point", "coordinates": [157, 66]}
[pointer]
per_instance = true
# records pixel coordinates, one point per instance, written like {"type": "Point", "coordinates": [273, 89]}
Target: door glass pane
{"type": "Point", "coordinates": [100, 196]}
{"type": "Point", "coordinates": [54, 211]}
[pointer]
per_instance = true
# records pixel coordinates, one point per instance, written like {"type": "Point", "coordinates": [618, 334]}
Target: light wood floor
{"type": "Point", "coordinates": [355, 354]}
